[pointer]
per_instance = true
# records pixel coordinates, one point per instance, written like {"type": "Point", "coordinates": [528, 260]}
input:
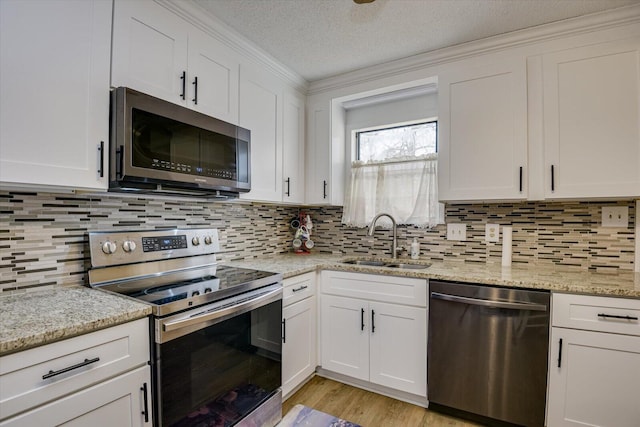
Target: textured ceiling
{"type": "Point", "coordinates": [323, 38]}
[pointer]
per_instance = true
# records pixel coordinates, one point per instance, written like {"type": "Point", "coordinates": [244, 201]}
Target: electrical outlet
{"type": "Point", "coordinates": [615, 216]}
{"type": "Point", "coordinates": [457, 232]}
{"type": "Point", "coordinates": [492, 233]}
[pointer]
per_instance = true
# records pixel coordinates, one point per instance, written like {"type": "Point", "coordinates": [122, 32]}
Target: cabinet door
{"type": "Point", "coordinates": [120, 401]}
{"type": "Point", "coordinates": [592, 121]}
{"type": "Point", "coordinates": [345, 336]}
{"type": "Point", "coordinates": [216, 71]}
{"type": "Point", "coordinates": [298, 343]}
{"type": "Point", "coordinates": [597, 382]}
{"type": "Point", "coordinates": [482, 130]}
{"type": "Point", "coordinates": [398, 349]}
{"type": "Point", "coordinates": [260, 111]}
{"type": "Point", "coordinates": [293, 145]}
{"type": "Point", "coordinates": [318, 172]}
{"type": "Point", "coordinates": [54, 81]}
{"type": "Point", "coordinates": [150, 50]}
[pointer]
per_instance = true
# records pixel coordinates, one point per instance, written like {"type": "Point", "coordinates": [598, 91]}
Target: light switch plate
{"type": "Point", "coordinates": [457, 232]}
{"type": "Point", "coordinates": [492, 233]}
{"type": "Point", "coordinates": [615, 216]}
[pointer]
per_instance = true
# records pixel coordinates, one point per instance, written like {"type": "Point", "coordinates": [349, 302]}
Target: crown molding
{"type": "Point", "coordinates": [574, 26]}
{"type": "Point", "coordinates": [212, 25]}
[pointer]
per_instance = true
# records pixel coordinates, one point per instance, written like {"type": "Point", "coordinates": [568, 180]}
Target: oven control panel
{"type": "Point", "coordinates": [126, 247]}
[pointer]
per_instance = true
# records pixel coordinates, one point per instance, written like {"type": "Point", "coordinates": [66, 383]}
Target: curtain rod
{"type": "Point", "coordinates": [360, 163]}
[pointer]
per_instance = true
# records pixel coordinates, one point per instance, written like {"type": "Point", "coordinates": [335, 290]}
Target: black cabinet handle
{"type": "Point", "coordinates": [70, 368]}
{"type": "Point", "coordinates": [560, 353]}
{"type": "Point", "coordinates": [362, 319]}
{"type": "Point", "coordinates": [301, 288]}
{"type": "Point", "coordinates": [101, 156]}
{"type": "Point", "coordinates": [183, 95]}
{"type": "Point", "coordinates": [119, 161]}
{"type": "Point", "coordinates": [373, 321]}
{"type": "Point", "coordinates": [284, 330]}
{"type": "Point", "coordinates": [145, 412]}
{"type": "Point", "coordinates": [613, 316]}
{"type": "Point", "coordinates": [195, 90]}
{"type": "Point", "coordinates": [553, 179]}
{"type": "Point", "coordinates": [521, 179]}
{"type": "Point", "coordinates": [288, 192]}
{"type": "Point", "coordinates": [324, 189]}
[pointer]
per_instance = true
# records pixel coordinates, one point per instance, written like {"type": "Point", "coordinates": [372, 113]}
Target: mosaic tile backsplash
{"type": "Point", "coordinates": [43, 235]}
{"type": "Point", "coordinates": [561, 233]}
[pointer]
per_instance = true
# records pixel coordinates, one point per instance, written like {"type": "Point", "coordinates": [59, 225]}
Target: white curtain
{"type": "Point", "coordinates": [407, 189]}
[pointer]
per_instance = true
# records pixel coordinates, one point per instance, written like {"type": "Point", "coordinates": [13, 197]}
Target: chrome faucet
{"type": "Point", "coordinates": [394, 245]}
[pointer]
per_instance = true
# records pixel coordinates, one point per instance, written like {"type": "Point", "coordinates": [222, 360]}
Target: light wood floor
{"type": "Point", "coordinates": [365, 408]}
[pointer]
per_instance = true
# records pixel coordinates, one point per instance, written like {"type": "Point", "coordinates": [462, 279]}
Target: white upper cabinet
{"type": "Point", "coordinates": [260, 111]}
{"type": "Point", "coordinates": [274, 113]}
{"type": "Point", "coordinates": [325, 153]}
{"type": "Point", "coordinates": [592, 121]}
{"type": "Point", "coordinates": [54, 81]}
{"type": "Point", "coordinates": [293, 144]}
{"type": "Point", "coordinates": [158, 53]}
{"type": "Point", "coordinates": [482, 125]}
{"type": "Point", "coordinates": [149, 50]}
{"type": "Point", "coordinates": [318, 171]}
{"type": "Point", "coordinates": [213, 78]}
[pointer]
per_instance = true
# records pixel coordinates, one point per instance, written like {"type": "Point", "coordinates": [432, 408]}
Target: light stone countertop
{"type": "Point", "coordinates": [623, 284]}
{"type": "Point", "coordinates": [36, 318]}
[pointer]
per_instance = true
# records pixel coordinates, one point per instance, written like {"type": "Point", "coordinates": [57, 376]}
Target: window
{"type": "Point", "coordinates": [395, 173]}
{"type": "Point", "coordinates": [406, 140]}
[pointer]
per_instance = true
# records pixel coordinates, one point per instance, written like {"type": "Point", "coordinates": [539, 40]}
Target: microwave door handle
{"type": "Point", "coordinates": [119, 161]}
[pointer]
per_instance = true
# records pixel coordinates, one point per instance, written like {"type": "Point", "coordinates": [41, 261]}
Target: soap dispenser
{"type": "Point", "coordinates": [415, 249]}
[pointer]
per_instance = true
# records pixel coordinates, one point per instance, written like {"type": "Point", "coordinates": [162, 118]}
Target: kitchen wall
{"type": "Point", "coordinates": [43, 235]}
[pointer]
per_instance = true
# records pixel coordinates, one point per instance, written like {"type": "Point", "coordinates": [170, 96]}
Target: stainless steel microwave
{"type": "Point", "coordinates": [160, 147]}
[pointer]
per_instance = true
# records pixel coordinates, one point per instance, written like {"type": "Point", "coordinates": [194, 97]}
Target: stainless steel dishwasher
{"type": "Point", "coordinates": [487, 357]}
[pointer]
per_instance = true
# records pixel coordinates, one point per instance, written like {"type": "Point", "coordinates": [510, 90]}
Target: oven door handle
{"type": "Point", "coordinates": [208, 316]}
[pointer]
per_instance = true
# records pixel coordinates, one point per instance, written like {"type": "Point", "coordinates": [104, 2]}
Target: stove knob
{"type": "Point", "coordinates": [195, 241]}
{"type": "Point", "coordinates": [195, 293]}
{"type": "Point", "coordinates": [207, 290]}
{"type": "Point", "coordinates": [129, 246]}
{"type": "Point", "coordinates": [207, 240]}
{"type": "Point", "coordinates": [109, 247]}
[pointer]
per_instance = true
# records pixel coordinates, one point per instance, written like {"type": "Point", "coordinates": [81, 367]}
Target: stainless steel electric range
{"type": "Point", "coordinates": [216, 334]}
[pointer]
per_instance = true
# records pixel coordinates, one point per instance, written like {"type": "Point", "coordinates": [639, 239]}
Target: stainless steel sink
{"type": "Point", "coordinates": [409, 266]}
{"type": "Point", "coordinates": [402, 265]}
{"type": "Point", "coordinates": [366, 262]}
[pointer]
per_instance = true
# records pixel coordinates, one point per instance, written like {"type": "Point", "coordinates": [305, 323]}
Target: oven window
{"type": "Point", "coordinates": [217, 375]}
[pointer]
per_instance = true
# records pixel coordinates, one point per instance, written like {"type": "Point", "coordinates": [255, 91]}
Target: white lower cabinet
{"type": "Point", "coordinates": [98, 379]}
{"type": "Point", "coordinates": [116, 402]}
{"type": "Point", "coordinates": [379, 342]}
{"type": "Point", "coordinates": [299, 323]}
{"type": "Point", "coordinates": [594, 375]}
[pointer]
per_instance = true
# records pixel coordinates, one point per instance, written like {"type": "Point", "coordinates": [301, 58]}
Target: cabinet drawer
{"type": "Point", "coordinates": [70, 365]}
{"type": "Point", "coordinates": [376, 287]}
{"type": "Point", "coordinates": [298, 288]}
{"type": "Point", "coordinates": [605, 314]}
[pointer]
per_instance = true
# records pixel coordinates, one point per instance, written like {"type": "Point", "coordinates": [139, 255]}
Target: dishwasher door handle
{"type": "Point", "coordinates": [489, 303]}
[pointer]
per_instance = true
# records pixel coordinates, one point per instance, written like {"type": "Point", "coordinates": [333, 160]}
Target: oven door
{"type": "Point", "coordinates": [217, 364]}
